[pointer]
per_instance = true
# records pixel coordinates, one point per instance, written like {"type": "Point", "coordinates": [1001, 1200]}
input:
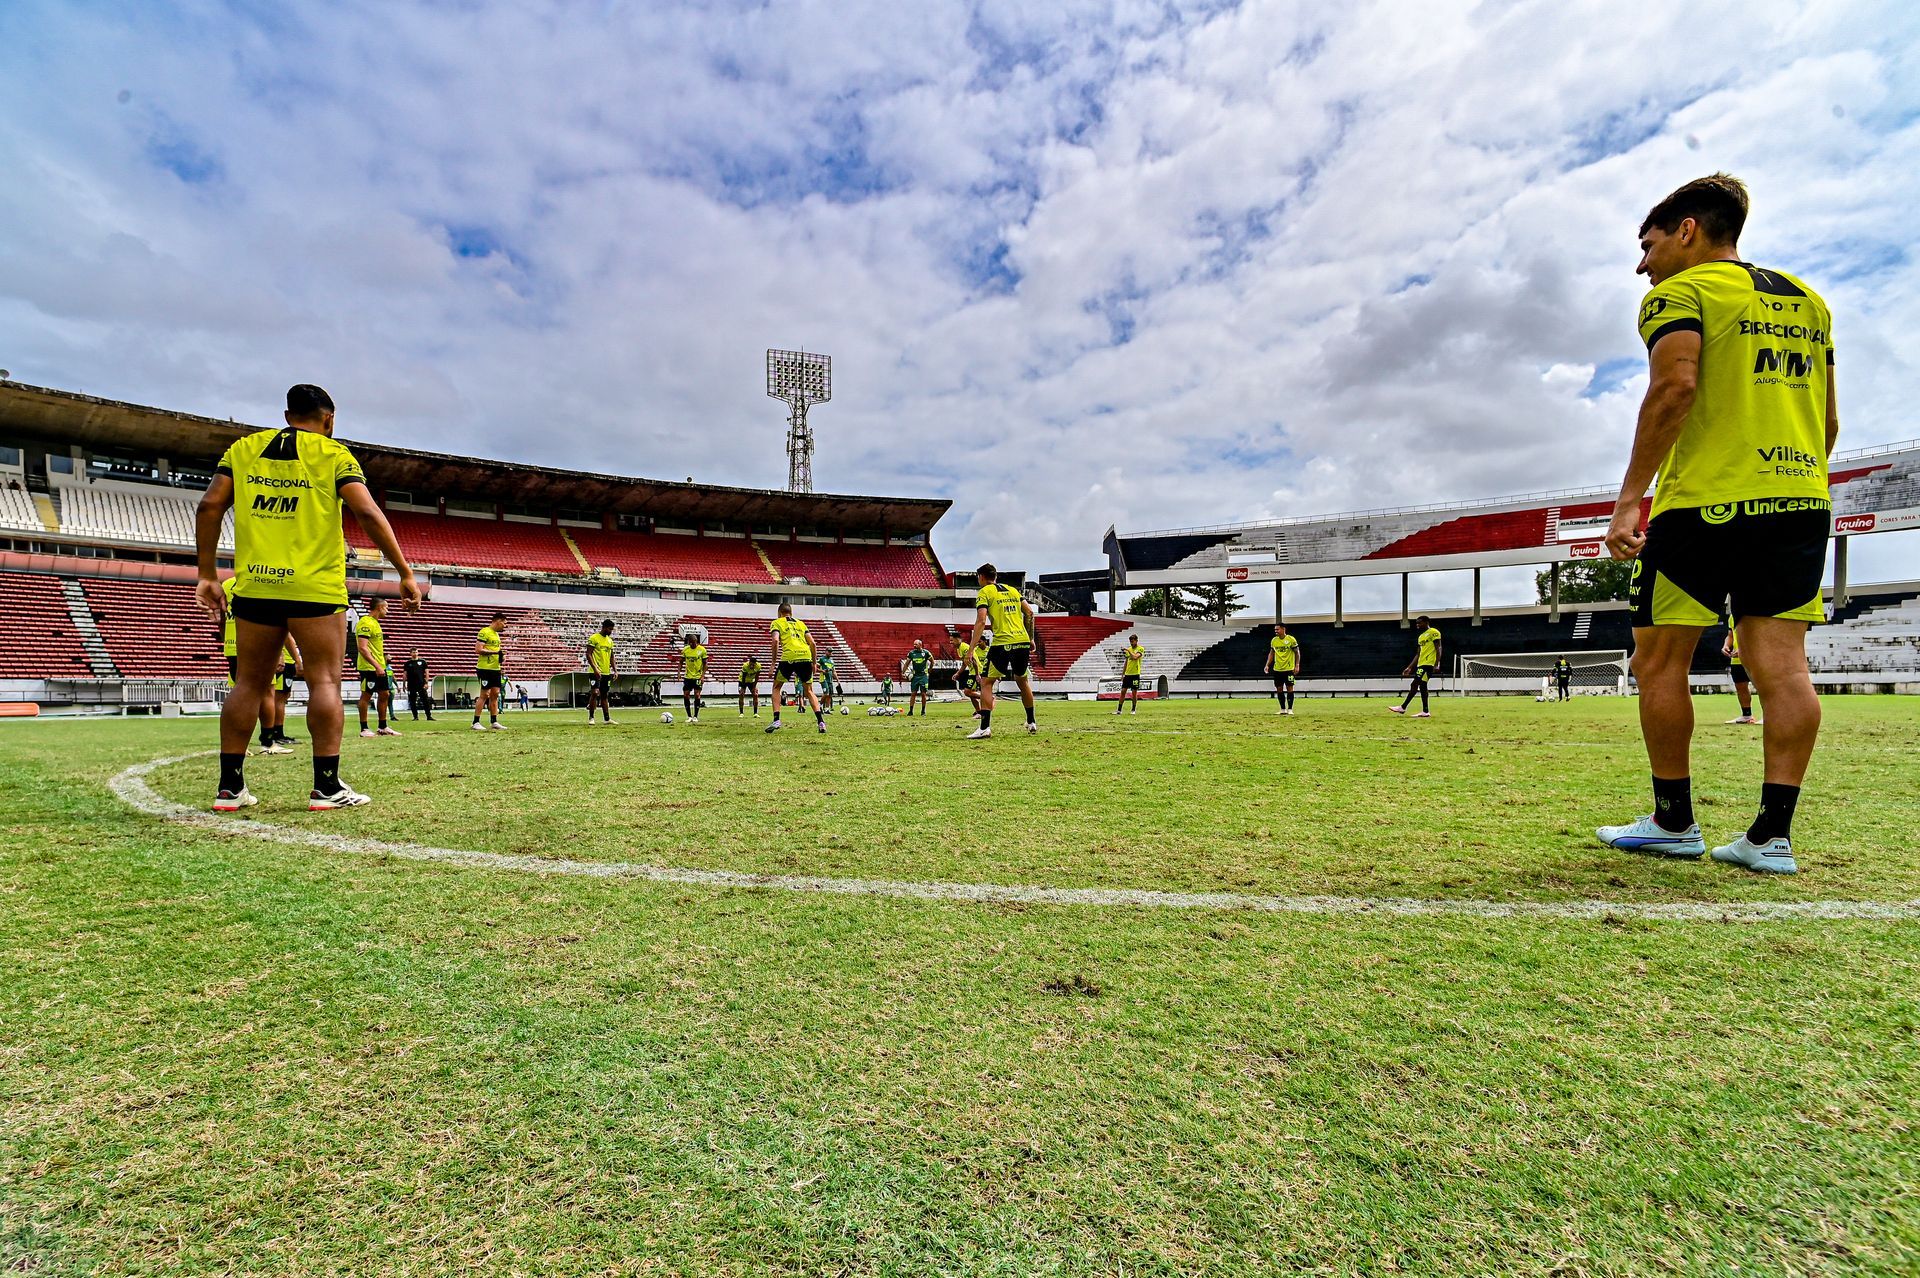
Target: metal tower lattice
{"type": "Point", "coordinates": [800, 380]}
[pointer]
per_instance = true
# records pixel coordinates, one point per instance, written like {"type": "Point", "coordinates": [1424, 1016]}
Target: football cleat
{"type": "Point", "coordinates": [1397, 709]}
{"type": "Point", "coordinates": [345, 797]}
{"type": "Point", "coordinates": [1772, 857]}
{"type": "Point", "coordinates": [387, 732]}
{"type": "Point", "coordinates": [1647, 837]}
{"type": "Point", "coordinates": [1032, 728]}
{"type": "Point", "coordinates": [1423, 715]}
{"type": "Point", "coordinates": [497, 727]}
{"type": "Point", "coordinates": [366, 732]}
{"type": "Point", "coordinates": [775, 726]}
{"type": "Point", "coordinates": [273, 747]}
{"type": "Point", "coordinates": [980, 734]}
{"type": "Point", "coordinates": [479, 726]}
{"type": "Point", "coordinates": [228, 801]}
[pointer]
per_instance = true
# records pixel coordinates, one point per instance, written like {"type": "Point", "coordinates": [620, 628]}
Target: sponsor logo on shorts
{"type": "Point", "coordinates": [1585, 550]}
{"type": "Point", "coordinates": [1856, 523]}
{"type": "Point", "coordinates": [1719, 514]}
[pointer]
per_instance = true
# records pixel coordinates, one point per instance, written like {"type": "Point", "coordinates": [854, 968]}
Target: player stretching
{"type": "Point", "coordinates": [290, 567]}
{"type": "Point", "coordinates": [600, 672]}
{"type": "Point", "coordinates": [1738, 420]}
{"type": "Point", "coordinates": [1014, 625]}
{"type": "Point", "coordinates": [1130, 672]}
{"type": "Point", "coordinates": [920, 676]}
{"type": "Point", "coordinates": [693, 672]}
{"type": "Point", "coordinates": [370, 663]}
{"type": "Point", "coordinates": [486, 665]}
{"type": "Point", "coordinates": [1283, 663]}
{"type": "Point", "coordinates": [1737, 671]}
{"type": "Point", "coordinates": [750, 684]}
{"type": "Point", "coordinates": [1426, 659]}
{"type": "Point", "coordinates": [793, 657]}
{"type": "Point", "coordinates": [1562, 679]}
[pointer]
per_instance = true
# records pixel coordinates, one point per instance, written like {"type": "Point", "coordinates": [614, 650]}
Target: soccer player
{"type": "Point", "coordinates": [370, 663]}
{"type": "Point", "coordinates": [1283, 663]}
{"type": "Point", "coordinates": [826, 682]}
{"type": "Point", "coordinates": [793, 658]}
{"type": "Point", "coordinates": [1014, 626]}
{"type": "Point", "coordinates": [229, 644]}
{"type": "Point", "coordinates": [419, 696]}
{"type": "Point", "coordinates": [291, 568]}
{"type": "Point", "coordinates": [750, 684]}
{"type": "Point", "coordinates": [920, 676]}
{"type": "Point", "coordinates": [1738, 673]}
{"type": "Point", "coordinates": [600, 668]}
{"type": "Point", "coordinates": [1133, 654]}
{"type": "Point", "coordinates": [1562, 679]}
{"type": "Point", "coordinates": [1426, 659]}
{"type": "Point", "coordinates": [1738, 421]}
{"type": "Point", "coordinates": [693, 670]}
{"type": "Point", "coordinates": [282, 692]}
{"type": "Point", "coordinates": [886, 687]}
{"type": "Point", "coordinates": [486, 664]}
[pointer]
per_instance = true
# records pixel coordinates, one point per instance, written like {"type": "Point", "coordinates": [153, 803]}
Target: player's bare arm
{"type": "Point", "coordinates": [373, 522]}
{"type": "Point", "coordinates": [1674, 372]}
{"type": "Point", "coordinates": [213, 507]}
{"type": "Point", "coordinates": [1833, 412]}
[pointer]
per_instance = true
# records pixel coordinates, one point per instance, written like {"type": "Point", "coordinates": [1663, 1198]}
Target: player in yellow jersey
{"type": "Point", "coordinates": [282, 693]}
{"type": "Point", "coordinates": [1131, 658]}
{"type": "Point", "coordinates": [967, 678]}
{"type": "Point", "coordinates": [487, 651]}
{"type": "Point", "coordinates": [1283, 663]}
{"type": "Point", "coordinates": [1739, 418]}
{"type": "Point", "coordinates": [693, 674]}
{"type": "Point", "coordinates": [1015, 628]}
{"type": "Point", "coordinates": [229, 644]}
{"type": "Point", "coordinates": [370, 663]}
{"type": "Point", "coordinates": [600, 672]}
{"type": "Point", "coordinates": [793, 658]}
{"type": "Point", "coordinates": [1426, 660]}
{"type": "Point", "coordinates": [750, 685]}
{"type": "Point", "coordinates": [1737, 671]}
{"type": "Point", "coordinates": [286, 489]}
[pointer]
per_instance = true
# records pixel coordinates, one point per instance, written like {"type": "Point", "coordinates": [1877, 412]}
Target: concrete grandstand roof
{"type": "Point", "coordinates": [134, 430]}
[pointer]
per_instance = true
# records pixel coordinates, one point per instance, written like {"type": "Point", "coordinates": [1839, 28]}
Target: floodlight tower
{"type": "Point", "coordinates": [802, 380]}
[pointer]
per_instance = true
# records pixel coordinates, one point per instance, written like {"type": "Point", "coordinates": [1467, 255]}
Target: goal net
{"type": "Point", "coordinates": [1595, 673]}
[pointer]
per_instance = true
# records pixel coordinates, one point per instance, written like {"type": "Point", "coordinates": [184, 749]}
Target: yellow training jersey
{"type": "Point", "coordinates": [1005, 613]}
{"type": "Point", "coordinates": [749, 670]}
{"type": "Point", "coordinates": [1429, 647]}
{"type": "Point", "coordinates": [693, 661]}
{"type": "Point", "coordinates": [1286, 652]}
{"type": "Point", "coordinates": [489, 640]}
{"type": "Point", "coordinates": [792, 633]}
{"type": "Point", "coordinates": [1134, 657]}
{"type": "Point", "coordinates": [600, 653]}
{"type": "Point", "coordinates": [229, 636]}
{"type": "Point", "coordinates": [368, 628]}
{"type": "Point", "coordinates": [1758, 426]}
{"type": "Point", "coordinates": [287, 542]}
{"type": "Point", "coordinates": [1733, 643]}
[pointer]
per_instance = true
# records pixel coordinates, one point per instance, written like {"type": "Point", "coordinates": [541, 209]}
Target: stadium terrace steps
{"type": "Point", "coordinates": [1882, 637]}
{"type": "Point", "coordinates": [445, 635]}
{"type": "Point", "coordinates": [632, 633]}
{"type": "Point", "coordinates": [159, 518]}
{"type": "Point", "coordinates": [38, 639]}
{"type": "Point", "coordinates": [451, 541]}
{"type": "Point", "coordinates": [18, 512]}
{"type": "Point", "coordinates": [1068, 638]}
{"type": "Point", "coordinates": [730, 641]}
{"type": "Point", "coordinates": [852, 564]}
{"type": "Point", "coordinates": [883, 645]}
{"type": "Point", "coordinates": [847, 662]}
{"type": "Point", "coordinates": [155, 630]}
{"type": "Point", "coordinates": [1381, 649]}
{"type": "Point", "coordinates": [1169, 652]}
{"type": "Point", "coordinates": [98, 658]}
{"type": "Point", "coordinates": [674, 556]}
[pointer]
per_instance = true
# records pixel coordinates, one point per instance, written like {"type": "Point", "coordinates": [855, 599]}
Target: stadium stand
{"type": "Point", "coordinates": [853, 564]}
{"type": "Point", "coordinates": [883, 645]}
{"type": "Point", "coordinates": [1380, 649]}
{"type": "Point", "coordinates": [1881, 636]}
{"type": "Point", "coordinates": [17, 511]}
{"type": "Point", "coordinates": [444, 634]}
{"type": "Point", "coordinates": [37, 635]}
{"type": "Point", "coordinates": [730, 641]}
{"type": "Point", "coordinates": [155, 630]}
{"type": "Point", "coordinates": [673, 556]}
{"type": "Point", "coordinates": [452, 541]}
{"type": "Point", "coordinates": [154, 519]}
{"type": "Point", "coordinates": [1067, 639]}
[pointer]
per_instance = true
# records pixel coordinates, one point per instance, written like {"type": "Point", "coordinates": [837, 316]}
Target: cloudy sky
{"type": "Point", "coordinates": [1077, 263]}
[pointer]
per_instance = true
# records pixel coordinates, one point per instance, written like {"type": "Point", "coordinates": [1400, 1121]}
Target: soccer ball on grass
{"type": "Point", "coordinates": [666, 717]}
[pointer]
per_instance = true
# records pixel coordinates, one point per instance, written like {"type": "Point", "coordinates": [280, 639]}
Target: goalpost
{"type": "Point", "coordinates": [1601, 672]}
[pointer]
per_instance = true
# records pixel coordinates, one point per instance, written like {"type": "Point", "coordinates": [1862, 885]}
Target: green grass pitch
{"type": "Point", "coordinates": [226, 1055]}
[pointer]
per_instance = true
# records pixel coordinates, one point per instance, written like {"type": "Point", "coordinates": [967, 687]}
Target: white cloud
{"type": "Point", "coordinates": [1077, 264]}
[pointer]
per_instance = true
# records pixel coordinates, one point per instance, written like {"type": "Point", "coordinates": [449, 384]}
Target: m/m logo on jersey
{"type": "Point", "coordinates": [1789, 364]}
{"type": "Point", "coordinates": [275, 505]}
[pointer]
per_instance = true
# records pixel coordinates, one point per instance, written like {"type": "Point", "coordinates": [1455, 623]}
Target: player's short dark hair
{"type": "Point", "coordinates": [786, 610]}
{"type": "Point", "coordinates": [987, 572]}
{"type": "Point", "coordinates": [689, 637]}
{"type": "Point", "coordinates": [499, 615]}
{"type": "Point", "coordinates": [605, 624]}
{"type": "Point", "coordinates": [1424, 620]}
{"type": "Point", "coordinates": [1717, 203]}
{"type": "Point", "coordinates": [307, 402]}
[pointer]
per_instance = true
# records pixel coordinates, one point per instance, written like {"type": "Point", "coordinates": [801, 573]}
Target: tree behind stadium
{"type": "Point", "coordinates": [1597, 581]}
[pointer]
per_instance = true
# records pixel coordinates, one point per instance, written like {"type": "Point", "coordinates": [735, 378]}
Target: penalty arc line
{"type": "Point", "coordinates": [131, 788]}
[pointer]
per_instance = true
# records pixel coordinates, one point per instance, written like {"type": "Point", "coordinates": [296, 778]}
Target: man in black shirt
{"type": "Point", "coordinates": [418, 698]}
{"type": "Point", "coordinates": [1563, 679]}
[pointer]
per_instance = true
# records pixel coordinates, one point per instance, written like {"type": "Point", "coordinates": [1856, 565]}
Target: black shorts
{"type": "Point", "coordinates": [1282, 678]}
{"type": "Point", "coordinates": [603, 684]}
{"type": "Point", "coordinates": [490, 679]}
{"type": "Point", "coordinates": [375, 681]}
{"type": "Point", "coordinates": [1129, 682]}
{"type": "Point", "coordinates": [1761, 558]}
{"type": "Point", "coordinates": [1738, 673]}
{"type": "Point", "coordinates": [233, 668]}
{"type": "Point", "coordinates": [1009, 662]}
{"type": "Point", "coordinates": [689, 687]}
{"type": "Point", "coordinates": [1422, 674]}
{"type": "Point", "coordinates": [801, 670]}
{"type": "Point", "coordinates": [284, 681]}
{"type": "Point", "coordinates": [277, 612]}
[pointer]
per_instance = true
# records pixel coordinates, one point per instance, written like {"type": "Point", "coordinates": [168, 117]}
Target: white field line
{"type": "Point", "coordinates": [131, 788]}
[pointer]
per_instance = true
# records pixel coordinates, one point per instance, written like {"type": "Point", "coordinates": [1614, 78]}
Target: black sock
{"type": "Point", "coordinates": [1776, 813]}
{"type": "Point", "coordinates": [266, 736]}
{"type": "Point", "coordinates": [1423, 698]}
{"type": "Point", "coordinates": [986, 719]}
{"type": "Point", "coordinates": [232, 772]}
{"type": "Point", "coordinates": [1673, 803]}
{"type": "Point", "coordinates": [1030, 711]}
{"type": "Point", "coordinates": [326, 774]}
{"type": "Point", "coordinates": [383, 723]}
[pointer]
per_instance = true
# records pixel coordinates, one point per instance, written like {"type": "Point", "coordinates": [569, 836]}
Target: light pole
{"type": "Point", "coordinates": [801, 380]}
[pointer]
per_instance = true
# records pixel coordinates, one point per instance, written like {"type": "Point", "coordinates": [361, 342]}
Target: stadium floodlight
{"type": "Point", "coordinates": [801, 380]}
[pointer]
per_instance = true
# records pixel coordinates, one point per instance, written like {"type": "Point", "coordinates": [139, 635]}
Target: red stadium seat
{"type": "Point", "coordinates": [851, 564]}
{"type": "Point", "coordinates": [38, 639]}
{"type": "Point", "coordinates": [475, 543]}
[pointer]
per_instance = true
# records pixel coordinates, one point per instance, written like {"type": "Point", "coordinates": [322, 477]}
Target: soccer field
{"type": "Point", "coordinates": [1428, 1050]}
